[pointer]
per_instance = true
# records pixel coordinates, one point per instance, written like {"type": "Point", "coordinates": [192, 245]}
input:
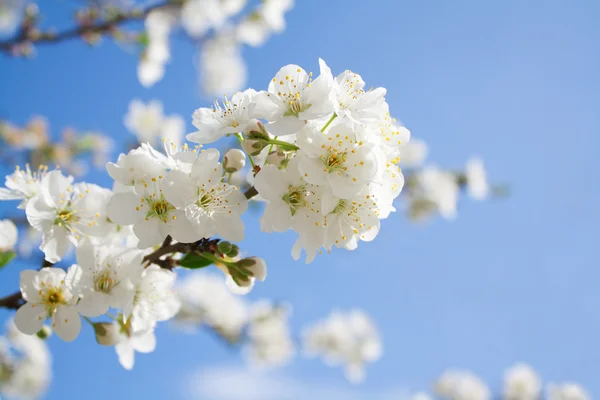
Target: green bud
{"type": "Point", "coordinates": [246, 263]}
{"type": "Point", "coordinates": [225, 247]}
{"type": "Point", "coordinates": [235, 250]}
{"type": "Point", "coordinates": [44, 333]}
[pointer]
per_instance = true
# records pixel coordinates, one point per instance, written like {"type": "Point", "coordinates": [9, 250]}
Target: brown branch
{"type": "Point", "coordinates": [15, 300]}
{"type": "Point", "coordinates": [34, 37]}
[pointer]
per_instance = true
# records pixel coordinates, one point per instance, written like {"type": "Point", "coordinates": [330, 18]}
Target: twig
{"type": "Point", "coordinates": [34, 37]}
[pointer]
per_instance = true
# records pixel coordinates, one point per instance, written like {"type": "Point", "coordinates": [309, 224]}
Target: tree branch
{"type": "Point", "coordinates": [35, 37]}
{"type": "Point", "coordinates": [15, 300]}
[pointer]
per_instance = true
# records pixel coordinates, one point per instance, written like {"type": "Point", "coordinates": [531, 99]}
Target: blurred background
{"type": "Point", "coordinates": [511, 279]}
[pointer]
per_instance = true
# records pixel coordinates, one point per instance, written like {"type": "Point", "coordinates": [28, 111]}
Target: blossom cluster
{"type": "Point", "coordinates": [521, 382]}
{"type": "Point", "coordinates": [330, 173]}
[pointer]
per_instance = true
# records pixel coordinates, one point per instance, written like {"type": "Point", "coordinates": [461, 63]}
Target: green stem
{"type": "Point", "coordinates": [272, 144]}
{"type": "Point", "coordinates": [329, 122]}
{"type": "Point", "coordinates": [89, 320]}
{"type": "Point", "coordinates": [283, 145]}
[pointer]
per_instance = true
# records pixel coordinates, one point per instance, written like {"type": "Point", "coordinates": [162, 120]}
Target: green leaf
{"type": "Point", "coordinates": [194, 261]}
{"type": "Point", "coordinates": [6, 257]}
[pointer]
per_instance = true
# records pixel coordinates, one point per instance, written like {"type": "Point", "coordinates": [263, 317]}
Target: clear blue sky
{"type": "Point", "coordinates": [511, 280]}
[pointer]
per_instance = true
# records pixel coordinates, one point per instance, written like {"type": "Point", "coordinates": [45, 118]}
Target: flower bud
{"type": "Point", "coordinates": [225, 247]}
{"type": "Point", "coordinates": [276, 158]}
{"type": "Point", "coordinates": [253, 146]}
{"type": "Point", "coordinates": [44, 333]}
{"type": "Point", "coordinates": [235, 250]}
{"type": "Point", "coordinates": [106, 333]}
{"type": "Point", "coordinates": [256, 130]}
{"type": "Point", "coordinates": [255, 266]}
{"type": "Point", "coordinates": [234, 160]}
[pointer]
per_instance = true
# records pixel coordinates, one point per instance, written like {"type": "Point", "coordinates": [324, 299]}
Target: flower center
{"type": "Point", "coordinates": [53, 297]}
{"type": "Point", "coordinates": [295, 198]}
{"type": "Point", "coordinates": [159, 208]}
{"type": "Point", "coordinates": [105, 282]}
{"type": "Point", "coordinates": [334, 161]}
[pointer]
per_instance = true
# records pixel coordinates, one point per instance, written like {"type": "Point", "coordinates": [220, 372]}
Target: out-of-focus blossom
{"type": "Point", "coordinates": [270, 340]}
{"type": "Point", "coordinates": [158, 24]}
{"type": "Point", "coordinates": [349, 339]}
{"type": "Point", "coordinates": [149, 123]}
{"type": "Point", "coordinates": [461, 385]}
{"type": "Point", "coordinates": [11, 12]}
{"type": "Point", "coordinates": [266, 19]}
{"type": "Point", "coordinates": [25, 365]}
{"type": "Point", "coordinates": [433, 190]}
{"type": "Point", "coordinates": [567, 391]}
{"type": "Point", "coordinates": [222, 67]}
{"type": "Point", "coordinates": [413, 153]}
{"type": "Point", "coordinates": [205, 299]}
{"type": "Point", "coordinates": [8, 235]}
{"type": "Point", "coordinates": [521, 382]}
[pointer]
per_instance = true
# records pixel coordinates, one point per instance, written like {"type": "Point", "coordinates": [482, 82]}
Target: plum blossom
{"type": "Point", "coordinates": [211, 206]}
{"type": "Point", "coordinates": [567, 391]}
{"type": "Point", "coordinates": [23, 184]}
{"type": "Point", "coordinates": [153, 217]}
{"type": "Point", "coordinates": [338, 159]}
{"type": "Point", "coordinates": [294, 98]}
{"type": "Point", "coordinates": [48, 294]}
{"type": "Point", "coordinates": [66, 212]}
{"type": "Point", "coordinates": [461, 385]}
{"type": "Point", "coordinates": [104, 277]}
{"type": "Point", "coordinates": [218, 121]}
{"type": "Point", "coordinates": [356, 104]}
{"type": "Point", "coordinates": [130, 341]}
{"type": "Point", "coordinates": [158, 24]}
{"type": "Point", "coordinates": [222, 67]}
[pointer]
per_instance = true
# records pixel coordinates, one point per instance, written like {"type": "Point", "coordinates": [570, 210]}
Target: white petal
{"type": "Point", "coordinates": [29, 291]}
{"type": "Point", "coordinates": [270, 182]}
{"type": "Point", "coordinates": [66, 323]}
{"type": "Point", "coordinates": [285, 126]}
{"type": "Point", "coordinates": [126, 354]}
{"type": "Point", "coordinates": [148, 232]}
{"type": "Point", "coordinates": [144, 343]}
{"type": "Point", "coordinates": [121, 208]}
{"type": "Point", "coordinates": [93, 304]}
{"type": "Point", "coordinates": [55, 244]}
{"type": "Point", "coordinates": [312, 170]}
{"type": "Point", "coordinates": [30, 318]}
{"type": "Point", "coordinates": [182, 230]}
{"type": "Point", "coordinates": [181, 189]}
{"type": "Point", "coordinates": [231, 228]}
{"type": "Point", "coordinates": [277, 217]}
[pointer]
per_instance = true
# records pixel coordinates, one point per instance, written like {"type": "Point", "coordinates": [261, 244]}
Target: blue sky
{"type": "Point", "coordinates": [512, 279]}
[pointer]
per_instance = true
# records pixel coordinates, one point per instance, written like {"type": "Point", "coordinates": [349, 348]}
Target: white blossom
{"type": "Point", "coordinates": [154, 300]}
{"type": "Point", "coordinates": [567, 391]}
{"type": "Point", "coordinates": [269, 335]}
{"type": "Point", "coordinates": [211, 206]}
{"type": "Point", "coordinates": [348, 338]}
{"type": "Point", "coordinates": [521, 382]}
{"type": "Point", "coordinates": [206, 300]}
{"type": "Point", "coordinates": [198, 16]}
{"type": "Point", "coordinates": [356, 104]}
{"type": "Point", "coordinates": [104, 277]}
{"type": "Point", "coordinates": [48, 295]}
{"type": "Point", "coordinates": [222, 67]}
{"type": "Point", "coordinates": [8, 235]}
{"type": "Point", "coordinates": [413, 153]}
{"type": "Point", "coordinates": [158, 24]}
{"type": "Point", "coordinates": [218, 121]}
{"type": "Point", "coordinates": [461, 385]}
{"type": "Point", "coordinates": [294, 98]}
{"type": "Point", "coordinates": [438, 188]}
{"type": "Point", "coordinates": [130, 341]}
{"type": "Point", "coordinates": [23, 184]}
{"type": "Point", "coordinates": [66, 213]}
